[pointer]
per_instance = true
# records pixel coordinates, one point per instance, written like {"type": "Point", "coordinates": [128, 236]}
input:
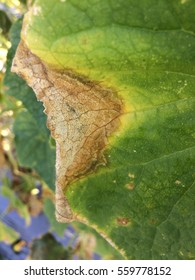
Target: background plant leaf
{"type": "Point", "coordinates": [49, 210]}
{"type": "Point", "coordinates": [47, 248]}
{"type": "Point", "coordinates": [5, 22]}
{"type": "Point", "coordinates": [7, 234]}
{"type": "Point", "coordinates": [16, 204]}
{"type": "Point", "coordinates": [33, 147]}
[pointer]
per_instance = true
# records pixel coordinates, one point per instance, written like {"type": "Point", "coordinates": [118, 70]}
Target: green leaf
{"type": "Point", "coordinates": [16, 203]}
{"type": "Point", "coordinates": [7, 234]}
{"type": "Point", "coordinates": [144, 50]}
{"type": "Point", "coordinates": [33, 148]}
{"type": "Point", "coordinates": [47, 248]}
{"type": "Point", "coordinates": [178, 226]}
{"type": "Point", "coordinates": [49, 210]}
{"type": "Point", "coordinates": [5, 22]}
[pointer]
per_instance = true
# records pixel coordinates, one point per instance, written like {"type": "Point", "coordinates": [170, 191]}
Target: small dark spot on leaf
{"type": "Point", "coordinates": [130, 186]}
{"type": "Point", "coordinates": [123, 221]}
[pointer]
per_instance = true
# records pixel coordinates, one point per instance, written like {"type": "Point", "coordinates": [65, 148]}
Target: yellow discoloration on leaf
{"type": "Point", "coordinates": [81, 116]}
{"type": "Point", "coordinates": [177, 182]}
{"type": "Point", "coordinates": [131, 175]}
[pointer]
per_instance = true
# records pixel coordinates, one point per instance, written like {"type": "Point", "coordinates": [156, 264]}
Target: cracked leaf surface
{"type": "Point", "coordinates": [144, 51]}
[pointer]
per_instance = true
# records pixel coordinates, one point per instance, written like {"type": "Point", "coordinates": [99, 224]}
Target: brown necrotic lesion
{"type": "Point", "coordinates": [81, 116]}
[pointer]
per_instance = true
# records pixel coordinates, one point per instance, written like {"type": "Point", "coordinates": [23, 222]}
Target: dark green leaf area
{"type": "Point", "coordinates": [131, 202]}
{"type": "Point", "coordinates": [49, 210]}
{"type": "Point", "coordinates": [176, 233]}
{"type": "Point", "coordinates": [33, 148]}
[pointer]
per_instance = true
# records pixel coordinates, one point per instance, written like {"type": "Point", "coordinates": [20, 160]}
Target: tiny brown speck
{"type": "Point", "coordinates": [130, 186]}
{"type": "Point", "coordinates": [123, 221]}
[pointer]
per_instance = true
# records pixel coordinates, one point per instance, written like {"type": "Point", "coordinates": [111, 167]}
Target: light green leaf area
{"type": "Point", "coordinates": [7, 234]}
{"type": "Point", "coordinates": [32, 146]}
{"type": "Point", "coordinates": [143, 200]}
